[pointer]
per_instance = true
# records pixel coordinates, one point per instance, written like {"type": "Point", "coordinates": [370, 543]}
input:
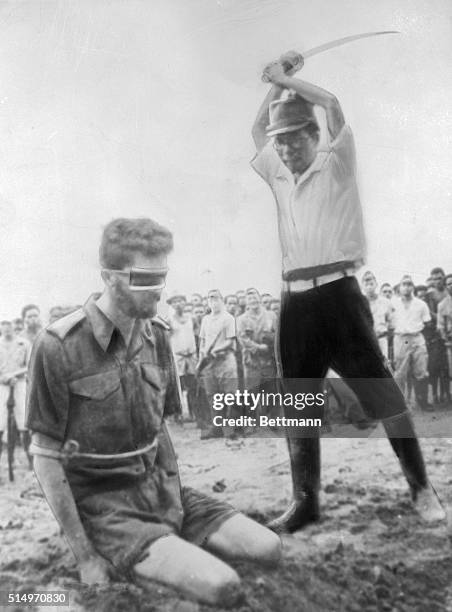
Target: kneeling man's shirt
{"type": "Point", "coordinates": [85, 385]}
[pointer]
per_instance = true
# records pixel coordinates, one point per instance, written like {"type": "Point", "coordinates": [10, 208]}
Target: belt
{"type": "Point", "coordinates": [304, 285]}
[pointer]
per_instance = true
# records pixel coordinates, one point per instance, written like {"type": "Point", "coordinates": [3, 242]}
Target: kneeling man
{"type": "Point", "coordinates": [102, 381]}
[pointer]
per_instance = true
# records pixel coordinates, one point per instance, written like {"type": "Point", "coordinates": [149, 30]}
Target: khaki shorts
{"type": "Point", "coordinates": [123, 523]}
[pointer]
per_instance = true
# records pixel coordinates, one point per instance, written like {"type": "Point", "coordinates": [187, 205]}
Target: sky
{"type": "Point", "coordinates": [144, 108]}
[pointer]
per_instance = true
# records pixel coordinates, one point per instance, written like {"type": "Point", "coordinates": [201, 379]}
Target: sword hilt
{"type": "Point", "coordinates": [289, 61]}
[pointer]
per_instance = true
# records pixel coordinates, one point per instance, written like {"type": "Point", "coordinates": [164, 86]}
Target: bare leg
{"type": "Point", "coordinates": [191, 570]}
{"type": "Point", "coordinates": [239, 537]}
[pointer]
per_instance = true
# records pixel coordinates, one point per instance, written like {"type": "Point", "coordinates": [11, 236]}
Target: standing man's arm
{"type": "Point", "coordinates": [52, 479]}
{"type": "Point", "coordinates": [426, 318]}
{"type": "Point", "coordinates": [48, 403]}
{"type": "Point", "coordinates": [258, 131]}
{"type": "Point", "coordinates": [311, 93]}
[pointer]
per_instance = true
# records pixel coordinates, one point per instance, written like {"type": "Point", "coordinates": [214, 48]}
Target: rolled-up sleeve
{"type": "Point", "coordinates": [267, 163]}
{"type": "Point", "coordinates": [343, 153]}
{"type": "Point", "coordinates": [47, 394]}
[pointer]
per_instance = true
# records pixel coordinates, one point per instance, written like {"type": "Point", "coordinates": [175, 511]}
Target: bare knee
{"type": "Point", "coordinates": [269, 548]}
{"type": "Point", "coordinates": [223, 587]}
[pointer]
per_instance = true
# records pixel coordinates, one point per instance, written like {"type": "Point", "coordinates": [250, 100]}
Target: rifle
{"type": "Point", "coordinates": [11, 423]}
{"type": "Point", "coordinates": [208, 357]}
{"type": "Point", "coordinates": [11, 432]}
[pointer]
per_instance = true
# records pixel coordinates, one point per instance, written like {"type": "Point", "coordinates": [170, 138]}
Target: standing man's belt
{"type": "Point", "coordinates": [302, 279]}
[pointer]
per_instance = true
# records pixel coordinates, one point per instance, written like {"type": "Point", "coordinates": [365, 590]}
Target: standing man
{"type": "Point", "coordinates": [381, 309]}
{"type": "Point", "coordinates": [31, 316]}
{"type": "Point", "coordinates": [256, 329]}
{"type": "Point", "coordinates": [217, 347]}
{"type": "Point", "coordinates": [14, 356]}
{"type": "Point", "coordinates": [102, 381]}
{"type": "Point", "coordinates": [410, 317]}
{"type": "Point", "coordinates": [183, 343]}
{"type": "Point", "coordinates": [325, 320]}
{"type": "Point", "coordinates": [444, 323]}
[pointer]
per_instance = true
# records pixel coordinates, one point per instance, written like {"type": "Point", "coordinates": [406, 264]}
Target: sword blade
{"type": "Point", "coordinates": [343, 41]}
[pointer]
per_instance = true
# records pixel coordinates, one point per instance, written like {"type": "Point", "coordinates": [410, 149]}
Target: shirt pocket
{"type": "Point", "coordinates": [99, 418]}
{"type": "Point", "coordinates": [97, 387]}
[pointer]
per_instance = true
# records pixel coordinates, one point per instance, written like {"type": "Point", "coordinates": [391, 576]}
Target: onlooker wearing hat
{"type": "Point", "coordinates": [183, 344]}
{"type": "Point", "coordinates": [325, 320]}
{"type": "Point", "coordinates": [410, 351]}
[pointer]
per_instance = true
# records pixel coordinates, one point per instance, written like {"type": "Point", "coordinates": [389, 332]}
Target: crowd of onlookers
{"type": "Point", "coordinates": [224, 343]}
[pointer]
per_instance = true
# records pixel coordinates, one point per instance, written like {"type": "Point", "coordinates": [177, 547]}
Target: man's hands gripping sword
{"type": "Point", "coordinates": [287, 65]}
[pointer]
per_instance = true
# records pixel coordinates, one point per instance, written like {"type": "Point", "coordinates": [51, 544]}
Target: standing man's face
{"type": "Point", "coordinates": [252, 300]}
{"type": "Point", "coordinates": [370, 286]}
{"type": "Point", "coordinates": [32, 320]}
{"type": "Point", "coordinates": [406, 288]}
{"type": "Point", "coordinates": [438, 281]}
{"type": "Point", "coordinates": [241, 298]}
{"type": "Point", "coordinates": [132, 303]}
{"type": "Point", "coordinates": [215, 303]}
{"type": "Point", "coordinates": [422, 294]}
{"type": "Point", "coordinates": [296, 149]}
{"type": "Point", "coordinates": [178, 303]}
{"type": "Point", "coordinates": [7, 331]}
{"type": "Point", "coordinates": [266, 301]}
{"type": "Point", "coordinates": [18, 327]}
{"type": "Point", "coordinates": [275, 307]}
{"type": "Point", "coordinates": [449, 285]}
{"type": "Point", "coordinates": [387, 292]}
{"type": "Point", "coordinates": [198, 313]}
{"type": "Point", "coordinates": [232, 305]}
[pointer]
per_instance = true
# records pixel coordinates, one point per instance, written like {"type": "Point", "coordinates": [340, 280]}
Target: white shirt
{"type": "Point", "coordinates": [216, 328]}
{"type": "Point", "coordinates": [319, 216]}
{"type": "Point", "coordinates": [410, 316]}
{"type": "Point", "coordinates": [381, 309]}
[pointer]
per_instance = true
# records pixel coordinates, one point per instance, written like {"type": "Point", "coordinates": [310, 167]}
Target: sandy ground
{"type": "Point", "coordinates": [369, 552]}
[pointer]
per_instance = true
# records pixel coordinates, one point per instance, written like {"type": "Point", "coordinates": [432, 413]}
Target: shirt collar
{"type": "Point", "coordinates": [101, 325]}
{"type": "Point", "coordinates": [103, 328]}
{"type": "Point", "coordinates": [284, 172]}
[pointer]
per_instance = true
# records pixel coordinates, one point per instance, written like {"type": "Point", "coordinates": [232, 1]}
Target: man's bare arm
{"type": "Point", "coordinates": [258, 130]}
{"type": "Point", "coordinates": [52, 478]}
{"type": "Point", "coordinates": [311, 93]}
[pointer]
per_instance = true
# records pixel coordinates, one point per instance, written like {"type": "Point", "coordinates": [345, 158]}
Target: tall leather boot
{"type": "Point", "coordinates": [406, 446]}
{"type": "Point", "coordinates": [305, 466]}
